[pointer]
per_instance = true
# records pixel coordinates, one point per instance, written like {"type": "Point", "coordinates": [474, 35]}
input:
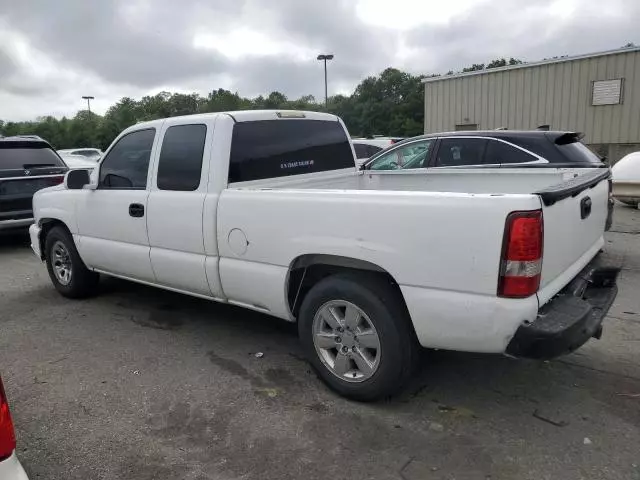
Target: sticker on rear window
{"type": "Point", "coordinates": [304, 163]}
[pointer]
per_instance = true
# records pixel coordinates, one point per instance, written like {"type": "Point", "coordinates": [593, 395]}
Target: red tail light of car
{"type": "Point", "coordinates": [521, 262]}
{"type": "Point", "coordinates": [57, 180]}
{"type": "Point", "coordinates": [7, 434]}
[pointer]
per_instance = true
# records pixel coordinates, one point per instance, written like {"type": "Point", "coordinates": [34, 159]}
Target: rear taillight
{"type": "Point", "coordinates": [57, 180]}
{"type": "Point", "coordinates": [7, 435]}
{"type": "Point", "coordinates": [521, 262]}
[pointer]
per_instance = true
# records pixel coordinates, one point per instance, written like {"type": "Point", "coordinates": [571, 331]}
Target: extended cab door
{"type": "Point", "coordinates": [112, 220]}
{"type": "Point", "coordinates": [177, 207]}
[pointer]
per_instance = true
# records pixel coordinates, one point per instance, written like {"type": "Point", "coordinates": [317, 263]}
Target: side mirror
{"type": "Point", "coordinates": [76, 179]}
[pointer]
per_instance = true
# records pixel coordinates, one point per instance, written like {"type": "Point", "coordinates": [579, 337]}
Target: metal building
{"type": "Point", "coordinates": [597, 94]}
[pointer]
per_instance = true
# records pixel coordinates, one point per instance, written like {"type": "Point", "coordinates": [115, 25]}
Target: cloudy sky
{"type": "Point", "coordinates": [53, 52]}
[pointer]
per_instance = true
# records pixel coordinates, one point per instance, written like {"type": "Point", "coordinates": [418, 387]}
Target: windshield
{"type": "Point", "coordinates": [16, 158]}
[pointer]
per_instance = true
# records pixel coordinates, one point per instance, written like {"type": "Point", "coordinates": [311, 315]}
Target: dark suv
{"type": "Point", "coordinates": [489, 149]}
{"type": "Point", "coordinates": [27, 164]}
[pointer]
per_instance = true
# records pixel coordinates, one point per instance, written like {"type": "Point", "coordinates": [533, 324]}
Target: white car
{"type": "Point", "coordinates": [92, 154]}
{"type": "Point", "coordinates": [626, 179]}
{"type": "Point", "coordinates": [10, 468]}
{"type": "Point", "coordinates": [266, 210]}
{"type": "Point", "coordinates": [75, 162]}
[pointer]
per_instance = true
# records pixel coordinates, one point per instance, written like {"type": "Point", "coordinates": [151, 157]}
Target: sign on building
{"type": "Point", "coordinates": [607, 92]}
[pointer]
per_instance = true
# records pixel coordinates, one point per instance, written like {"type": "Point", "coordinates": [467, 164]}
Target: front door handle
{"type": "Point", "coordinates": [136, 210]}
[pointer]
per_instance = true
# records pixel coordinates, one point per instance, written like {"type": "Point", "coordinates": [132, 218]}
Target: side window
{"type": "Point", "coordinates": [455, 152]}
{"type": "Point", "coordinates": [407, 157]}
{"type": "Point", "coordinates": [362, 150]}
{"type": "Point", "coordinates": [127, 164]}
{"type": "Point", "coordinates": [502, 153]}
{"type": "Point", "coordinates": [180, 164]}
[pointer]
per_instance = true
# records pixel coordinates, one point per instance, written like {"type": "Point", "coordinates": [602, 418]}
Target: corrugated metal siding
{"type": "Point", "coordinates": [558, 94]}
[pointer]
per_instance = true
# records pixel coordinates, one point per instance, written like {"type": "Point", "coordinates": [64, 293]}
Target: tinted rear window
{"type": "Point", "coordinates": [180, 164]}
{"type": "Point", "coordinates": [20, 157]}
{"type": "Point", "coordinates": [578, 152]}
{"type": "Point", "coordinates": [279, 148]}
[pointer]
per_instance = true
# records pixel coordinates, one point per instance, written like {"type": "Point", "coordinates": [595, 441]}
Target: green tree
{"type": "Point", "coordinates": [276, 100]}
{"type": "Point", "coordinates": [474, 67]}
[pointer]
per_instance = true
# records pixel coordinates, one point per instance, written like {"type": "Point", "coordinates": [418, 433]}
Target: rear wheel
{"type": "Point", "coordinates": [66, 269]}
{"type": "Point", "coordinates": [356, 334]}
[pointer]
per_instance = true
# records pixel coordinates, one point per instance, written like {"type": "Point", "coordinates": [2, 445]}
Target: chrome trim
{"type": "Point", "coordinates": [35, 177]}
{"type": "Point", "coordinates": [10, 224]}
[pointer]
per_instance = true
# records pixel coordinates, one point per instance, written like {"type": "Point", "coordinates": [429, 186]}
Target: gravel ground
{"type": "Point", "coordinates": [140, 383]}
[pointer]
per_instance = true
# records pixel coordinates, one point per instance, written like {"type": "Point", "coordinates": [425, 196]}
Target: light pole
{"type": "Point", "coordinates": [88, 98]}
{"type": "Point", "coordinates": [325, 58]}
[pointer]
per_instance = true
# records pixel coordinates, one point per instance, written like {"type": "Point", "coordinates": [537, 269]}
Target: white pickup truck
{"type": "Point", "coordinates": [266, 210]}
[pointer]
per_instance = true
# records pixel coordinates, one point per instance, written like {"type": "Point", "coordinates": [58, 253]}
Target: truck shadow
{"type": "Point", "coordinates": [166, 310]}
{"type": "Point", "coordinates": [452, 383]}
{"type": "Point", "coordinates": [451, 387]}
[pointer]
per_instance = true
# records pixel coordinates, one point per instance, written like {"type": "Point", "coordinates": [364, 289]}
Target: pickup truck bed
{"type": "Point", "coordinates": [371, 225]}
{"type": "Point", "coordinates": [266, 210]}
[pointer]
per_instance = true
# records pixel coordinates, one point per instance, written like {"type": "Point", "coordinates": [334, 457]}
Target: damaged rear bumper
{"type": "Point", "coordinates": [573, 316]}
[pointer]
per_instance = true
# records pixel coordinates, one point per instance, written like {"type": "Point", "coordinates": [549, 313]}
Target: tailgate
{"type": "Point", "coordinates": [575, 213]}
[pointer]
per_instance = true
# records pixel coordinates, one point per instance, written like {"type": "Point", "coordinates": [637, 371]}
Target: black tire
{"type": "Point", "coordinates": [83, 282]}
{"type": "Point", "coordinates": [386, 310]}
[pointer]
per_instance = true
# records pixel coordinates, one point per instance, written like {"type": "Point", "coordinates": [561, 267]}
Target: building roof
{"type": "Point", "coordinates": [532, 64]}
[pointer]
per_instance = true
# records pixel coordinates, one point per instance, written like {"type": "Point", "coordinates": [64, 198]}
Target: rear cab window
{"type": "Point", "coordinates": [180, 164]}
{"type": "Point", "coordinates": [278, 148]}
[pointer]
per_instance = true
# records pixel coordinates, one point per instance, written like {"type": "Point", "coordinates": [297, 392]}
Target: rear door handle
{"type": "Point", "coordinates": [136, 210]}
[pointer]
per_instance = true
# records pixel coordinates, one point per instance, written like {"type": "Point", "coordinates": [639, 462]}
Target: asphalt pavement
{"type": "Point", "coordinates": [139, 383]}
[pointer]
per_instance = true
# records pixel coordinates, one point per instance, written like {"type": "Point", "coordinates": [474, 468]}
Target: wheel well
{"type": "Point", "coordinates": [46, 225]}
{"type": "Point", "coordinates": [308, 270]}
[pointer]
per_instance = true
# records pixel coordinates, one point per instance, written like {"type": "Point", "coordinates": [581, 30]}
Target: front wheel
{"type": "Point", "coordinates": [66, 269]}
{"type": "Point", "coordinates": [357, 335]}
